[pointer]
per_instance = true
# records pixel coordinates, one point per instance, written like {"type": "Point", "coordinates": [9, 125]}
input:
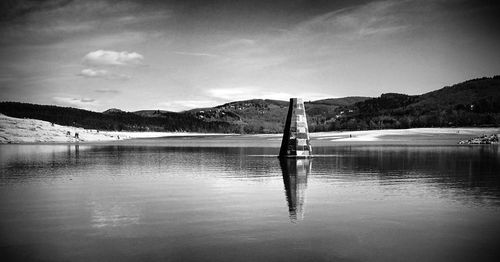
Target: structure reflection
{"type": "Point", "coordinates": [295, 172]}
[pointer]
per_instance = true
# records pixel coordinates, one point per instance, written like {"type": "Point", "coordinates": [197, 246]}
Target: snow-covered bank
{"type": "Point", "coordinates": [18, 130]}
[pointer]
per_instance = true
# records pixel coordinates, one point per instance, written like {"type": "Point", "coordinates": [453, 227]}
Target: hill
{"type": "Point", "coordinates": [113, 111]}
{"type": "Point", "coordinates": [471, 103]}
{"type": "Point", "coordinates": [153, 113]}
{"type": "Point", "coordinates": [112, 119]}
{"type": "Point", "coordinates": [251, 116]}
{"type": "Point", "coordinates": [268, 116]}
{"type": "Point", "coordinates": [344, 101]}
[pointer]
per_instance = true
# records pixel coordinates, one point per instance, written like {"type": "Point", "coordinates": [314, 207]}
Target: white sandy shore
{"type": "Point", "coordinates": [18, 130]}
{"type": "Point", "coordinates": [375, 135]}
{"type": "Point", "coordinates": [386, 134]}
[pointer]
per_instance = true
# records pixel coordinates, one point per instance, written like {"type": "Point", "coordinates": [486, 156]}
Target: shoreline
{"type": "Point", "coordinates": [31, 131]}
{"type": "Point", "coordinates": [378, 135]}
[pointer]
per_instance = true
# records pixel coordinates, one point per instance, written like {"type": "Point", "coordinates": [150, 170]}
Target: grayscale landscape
{"type": "Point", "coordinates": [234, 130]}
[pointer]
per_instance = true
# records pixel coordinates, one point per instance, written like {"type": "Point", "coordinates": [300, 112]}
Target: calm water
{"type": "Point", "coordinates": [153, 201]}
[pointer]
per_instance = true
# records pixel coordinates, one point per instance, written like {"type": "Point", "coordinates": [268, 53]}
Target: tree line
{"type": "Point", "coordinates": [117, 121]}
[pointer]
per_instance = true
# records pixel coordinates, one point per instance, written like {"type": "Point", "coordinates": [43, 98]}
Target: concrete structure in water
{"type": "Point", "coordinates": [295, 143]}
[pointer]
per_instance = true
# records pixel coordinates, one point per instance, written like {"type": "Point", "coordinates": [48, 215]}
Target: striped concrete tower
{"type": "Point", "coordinates": [295, 141]}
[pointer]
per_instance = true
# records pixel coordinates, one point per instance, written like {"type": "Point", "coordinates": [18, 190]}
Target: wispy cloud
{"type": "Point", "coordinates": [253, 92]}
{"type": "Point", "coordinates": [238, 42]}
{"type": "Point", "coordinates": [107, 91]}
{"type": "Point", "coordinates": [179, 105]}
{"type": "Point", "coordinates": [245, 93]}
{"type": "Point", "coordinates": [85, 102]}
{"type": "Point", "coordinates": [16, 9]}
{"type": "Point", "coordinates": [89, 72]}
{"type": "Point", "coordinates": [112, 39]}
{"type": "Point", "coordinates": [372, 19]}
{"type": "Point", "coordinates": [101, 73]}
{"type": "Point", "coordinates": [103, 58]}
{"type": "Point", "coordinates": [109, 57]}
{"type": "Point", "coordinates": [196, 54]}
{"type": "Point", "coordinates": [49, 22]}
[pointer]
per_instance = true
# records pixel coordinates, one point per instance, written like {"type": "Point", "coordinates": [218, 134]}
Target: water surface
{"type": "Point", "coordinates": [163, 201]}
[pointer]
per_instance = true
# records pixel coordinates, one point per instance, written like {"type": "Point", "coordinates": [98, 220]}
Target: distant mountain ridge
{"type": "Point", "coordinates": [471, 103]}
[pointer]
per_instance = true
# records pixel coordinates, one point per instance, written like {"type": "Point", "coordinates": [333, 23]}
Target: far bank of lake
{"type": "Point", "coordinates": [229, 198]}
{"type": "Point", "coordinates": [17, 130]}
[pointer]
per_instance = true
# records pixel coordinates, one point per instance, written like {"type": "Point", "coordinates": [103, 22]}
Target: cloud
{"type": "Point", "coordinates": [14, 9]}
{"type": "Point", "coordinates": [378, 18]}
{"type": "Point", "coordinates": [245, 93]}
{"type": "Point", "coordinates": [112, 39]}
{"type": "Point", "coordinates": [101, 73]}
{"type": "Point", "coordinates": [108, 57]}
{"type": "Point", "coordinates": [89, 72]}
{"type": "Point", "coordinates": [108, 91]}
{"type": "Point", "coordinates": [85, 100]}
{"type": "Point", "coordinates": [238, 42]}
{"type": "Point", "coordinates": [196, 54]}
{"type": "Point", "coordinates": [57, 22]}
{"type": "Point", "coordinates": [76, 102]}
{"type": "Point", "coordinates": [179, 105]}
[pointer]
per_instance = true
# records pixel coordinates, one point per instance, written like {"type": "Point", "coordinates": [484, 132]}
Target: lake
{"type": "Point", "coordinates": [231, 199]}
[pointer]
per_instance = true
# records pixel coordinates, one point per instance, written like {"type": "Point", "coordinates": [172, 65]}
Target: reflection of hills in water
{"type": "Point", "coordinates": [463, 173]}
{"type": "Point", "coordinates": [295, 173]}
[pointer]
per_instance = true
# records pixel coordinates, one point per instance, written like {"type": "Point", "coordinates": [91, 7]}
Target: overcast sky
{"type": "Point", "coordinates": [176, 55]}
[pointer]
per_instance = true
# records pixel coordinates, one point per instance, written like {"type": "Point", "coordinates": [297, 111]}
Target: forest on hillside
{"type": "Point", "coordinates": [118, 120]}
{"type": "Point", "coordinates": [471, 103]}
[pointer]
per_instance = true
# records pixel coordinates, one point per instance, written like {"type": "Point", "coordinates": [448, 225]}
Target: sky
{"type": "Point", "coordinates": [180, 54]}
